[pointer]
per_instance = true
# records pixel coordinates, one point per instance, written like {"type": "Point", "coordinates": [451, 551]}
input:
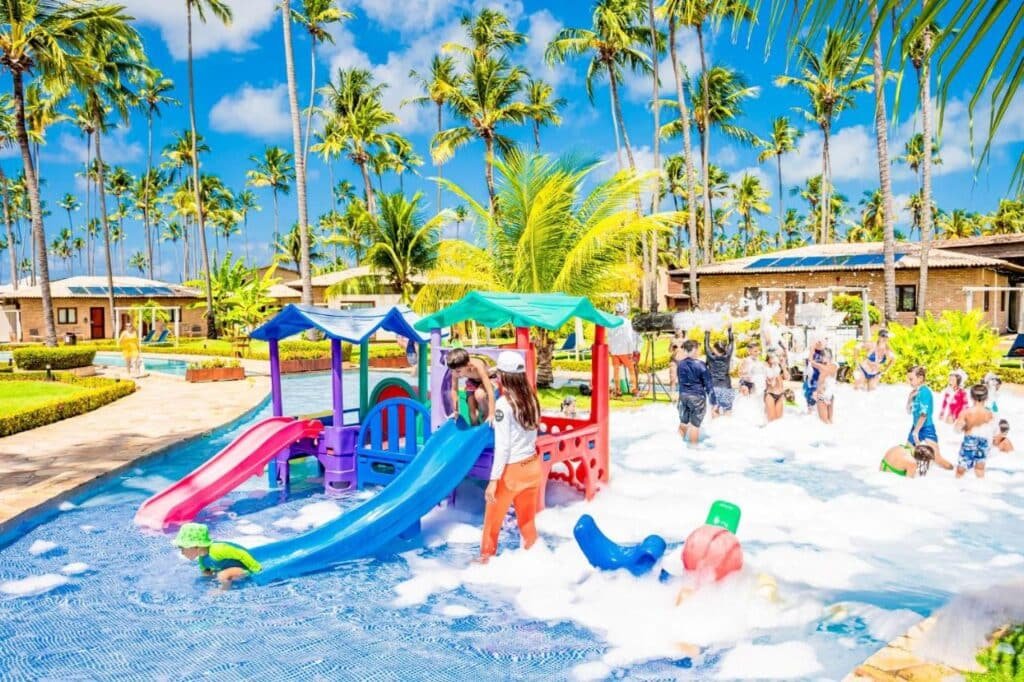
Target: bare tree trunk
{"type": "Point", "coordinates": [439, 166]}
{"type": "Point", "coordinates": [371, 205]}
{"type": "Point", "coordinates": [825, 202]}
{"type": "Point", "coordinates": [653, 236]}
{"type": "Point", "coordinates": [705, 150]}
{"type": "Point", "coordinates": [35, 207]}
{"type": "Point", "coordinates": [691, 180]}
{"type": "Point", "coordinates": [489, 174]}
{"type": "Point", "coordinates": [778, 161]}
{"type": "Point", "coordinates": [145, 189]}
{"type": "Point", "coordinates": [211, 319]}
{"type": "Point", "coordinates": [884, 177]}
{"type": "Point", "coordinates": [615, 129]}
{"type": "Point", "coordinates": [536, 135]}
{"type": "Point", "coordinates": [312, 100]}
{"type": "Point", "coordinates": [9, 225]}
{"type": "Point", "coordinates": [926, 168]}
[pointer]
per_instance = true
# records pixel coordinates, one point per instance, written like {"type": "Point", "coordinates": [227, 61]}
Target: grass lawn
{"type": "Point", "coordinates": [551, 399]}
{"type": "Point", "coordinates": [16, 396]}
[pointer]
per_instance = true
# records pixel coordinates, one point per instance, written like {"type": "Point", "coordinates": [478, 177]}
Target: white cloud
{"type": "Point", "coordinates": [408, 15]}
{"type": "Point", "coordinates": [116, 147]}
{"type": "Point", "coordinates": [253, 111]}
{"type": "Point", "coordinates": [638, 85]}
{"type": "Point", "coordinates": [250, 18]}
{"type": "Point", "coordinates": [725, 156]}
{"type": "Point", "coordinates": [851, 151]}
{"type": "Point", "coordinates": [542, 27]}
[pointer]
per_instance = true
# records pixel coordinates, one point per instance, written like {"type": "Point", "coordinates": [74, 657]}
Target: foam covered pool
{"type": "Point", "coordinates": [839, 559]}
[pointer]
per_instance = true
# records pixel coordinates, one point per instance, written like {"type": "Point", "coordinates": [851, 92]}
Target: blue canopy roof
{"type": "Point", "coordinates": [354, 326]}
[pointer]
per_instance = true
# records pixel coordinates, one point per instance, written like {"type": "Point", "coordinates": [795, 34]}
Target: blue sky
{"type": "Point", "coordinates": [242, 106]}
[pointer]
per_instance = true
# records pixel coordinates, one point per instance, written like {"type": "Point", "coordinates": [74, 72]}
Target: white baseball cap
{"type": "Point", "coordinates": [511, 362]}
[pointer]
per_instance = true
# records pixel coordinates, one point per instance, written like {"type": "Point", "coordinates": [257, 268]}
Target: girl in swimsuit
{"type": "Point", "coordinates": [907, 460]}
{"type": "Point", "coordinates": [774, 392]}
{"type": "Point", "coordinates": [824, 396]}
{"type": "Point", "coordinates": [869, 372]}
{"type": "Point", "coordinates": [954, 398]}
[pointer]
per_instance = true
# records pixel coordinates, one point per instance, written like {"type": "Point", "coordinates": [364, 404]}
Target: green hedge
{"type": "Point", "coordinates": [1010, 375]}
{"type": "Point", "coordinates": [98, 392]}
{"type": "Point", "coordinates": [61, 357]}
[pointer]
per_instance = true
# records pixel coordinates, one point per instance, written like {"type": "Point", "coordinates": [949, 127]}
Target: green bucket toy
{"type": "Point", "coordinates": [724, 515]}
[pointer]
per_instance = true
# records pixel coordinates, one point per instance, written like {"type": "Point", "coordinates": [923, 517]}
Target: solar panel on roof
{"type": "Point", "coordinates": [97, 291]}
{"type": "Point", "coordinates": [78, 291]}
{"type": "Point", "coordinates": [787, 262]}
{"type": "Point", "coordinates": [762, 263]}
{"type": "Point", "coordinates": [812, 261]}
{"type": "Point", "coordinates": [861, 259]}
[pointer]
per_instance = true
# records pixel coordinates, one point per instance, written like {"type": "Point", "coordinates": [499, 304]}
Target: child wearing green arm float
{"type": "Point", "coordinates": [228, 561]}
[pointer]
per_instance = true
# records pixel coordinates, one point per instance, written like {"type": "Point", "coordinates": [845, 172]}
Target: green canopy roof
{"type": "Point", "coordinates": [548, 311]}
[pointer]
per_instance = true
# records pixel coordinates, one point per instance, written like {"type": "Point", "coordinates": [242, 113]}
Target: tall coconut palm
{"type": "Point", "coordinates": [958, 224]}
{"type": "Point", "coordinates": [442, 77]}
{"type": "Point", "coordinates": [878, 77]}
{"type": "Point", "coordinates": [459, 216]}
{"type": "Point", "coordinates": [574, 231]}
{"type": "Point", "coordinates": [316, 16]}
{"type": "Point", "coordinates": [153, 94]}
{"type": "Point", "coordinates": [7, 139]}
{"type": "Point", "coordinates": [914, 157]}
{"type": "Point", "coordinates": [119, 183]}
{"type": "Point", "coordinates": [145, 196]}
{"type": "Point", "coordinates": [830, 78]}
{"type": "Point", "coordinates": [69, 202]}
{"type": "Point", "coordinates": [748, 198]}
{"type": "Point", "coordinates": [220, 10]}
{"type": "Point", "coordinates": [173, 232]}
{"type": "Point", "coordinates": [544, 106]}
{"type": "Point", "coordinates": [616, 41]}
{"type": "Point", "coordinates": [49, 39]}
{"type": "Point", "coordinates": [274, 170]}
{"type": "Point", "coordinates": [244, 203]}
{"type": "Point", "coordinates": [488, 32]}
{"type": "Point", "coordinates": [782, 141]}
{"type": "Point", "coordinates": [486, 102]}
{"type": "Point", "coordinates": [404, 244]}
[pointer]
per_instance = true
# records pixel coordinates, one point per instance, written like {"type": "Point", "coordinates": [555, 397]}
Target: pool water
{"type": "Point", "coordinates": [839, 558]}
{"type": "Point", "coordinates": [151, 364]}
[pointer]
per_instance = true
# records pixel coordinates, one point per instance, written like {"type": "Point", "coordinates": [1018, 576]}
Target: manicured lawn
{"type": "Point", "coordinates": [551, 399]}
{"type": "Point", "coordinates": [21, 395]}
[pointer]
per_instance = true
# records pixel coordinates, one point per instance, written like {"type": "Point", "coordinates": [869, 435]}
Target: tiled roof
{"type": "Point", "coordinates": [96, 287]}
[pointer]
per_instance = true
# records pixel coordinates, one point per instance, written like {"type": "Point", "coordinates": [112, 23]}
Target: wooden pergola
{"type": "Point", "coordinates": [139, 313]}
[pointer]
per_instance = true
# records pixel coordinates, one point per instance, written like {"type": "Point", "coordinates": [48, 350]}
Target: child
{"type": "Point", "coordinates": [868, 374]}
{"type": "Point", "coordinates": [228, 561]}
{"type": "Point", "coordinates": [516, 471]}
{"type": "Point", "coordinates": [906, 460]}
{"type": "Point", "coordinates": [695, 386]}
{"type": "Point", "coordinates": [921, 406]}
{"type": "Point", "coordinates": [824, 396]}
{"type": "Point", "coordinates": [979, 427]}
{"type": "Point", "coordinates": [719, 362]}
{"type": "Point", "coordinates": [811, 372]}
{"type": "Point", "coordinates": [993, 383]}
{"type": "Point", "coordinates": [568, 409]}
{"type": "Point", "coordinates": [954, 398]}
{"type": "Point", "coordinates": [1002, 439]}
{"type": "Point", "coordinates": [479, 388]}
{"type": "Point", "coordinates": [775, 374]}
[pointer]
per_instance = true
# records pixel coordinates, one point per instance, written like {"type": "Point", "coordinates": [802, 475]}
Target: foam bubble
{"type": "Point", "coordinates": [40, 547]}
{"type": "Point", "coordinates": [249, 528]}
{"type": "Point", "coordinates": [33, 585]}
{"type": "Point", "coordinates": [66, 506]}
{"type": "Point", "coordinates": [769, 662]}
{"type": "Point", "coordinates": [456, 611]}
{"type": "Point", "coordinates": [311, 516]}
{"type": "Point", "coordinates": [75, 568]}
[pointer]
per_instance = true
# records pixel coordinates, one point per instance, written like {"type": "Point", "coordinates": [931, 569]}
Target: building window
{"type": "Point", "coordinates": [173, 315]}
{"type": "Point", "coordinates": [67, 315]}
{"type": "Point", "coordinates": [1002, 301]}
{"type": "Point", "coordinates": [906, 298]}
{"type": "Point", "coordinates": [987, 300]}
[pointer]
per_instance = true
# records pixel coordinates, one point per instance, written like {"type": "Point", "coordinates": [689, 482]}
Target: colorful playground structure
{"type": "Point", "coordinates": [400, 436]}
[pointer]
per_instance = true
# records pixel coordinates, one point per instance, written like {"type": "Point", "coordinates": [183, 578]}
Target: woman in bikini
{"type": "Point", "coordinates": [869, 372]}
{"type": "Point", "coordinates": [824, 395]}
{"type": "Point", "coordinates": [775, 374]}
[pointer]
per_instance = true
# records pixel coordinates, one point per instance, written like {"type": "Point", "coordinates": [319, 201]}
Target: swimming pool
{"type": "Point", "coordinates": [152, 364]}
{"type": "Point", "coordinates": [857, 557]}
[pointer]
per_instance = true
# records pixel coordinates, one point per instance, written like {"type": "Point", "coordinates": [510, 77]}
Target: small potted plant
{"type": "Point", "coordinates": [217, 369]}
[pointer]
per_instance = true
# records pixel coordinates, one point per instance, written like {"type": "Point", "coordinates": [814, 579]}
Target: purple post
{"type": "Point", "coordinates": [437, 413]}
{"type": "Point", "coordinates": [336, 389]}
{"type": "Point", "coordinates": [275, 379]}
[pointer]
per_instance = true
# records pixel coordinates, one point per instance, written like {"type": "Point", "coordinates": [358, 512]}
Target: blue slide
{"type": "Point", "coordinates": [607, 555]}
{"type": "Point", "coordinates": [446, 459]}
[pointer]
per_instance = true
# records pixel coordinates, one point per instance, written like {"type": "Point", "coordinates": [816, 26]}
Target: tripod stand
{"type": "Point", "coordinates": [654, 382]}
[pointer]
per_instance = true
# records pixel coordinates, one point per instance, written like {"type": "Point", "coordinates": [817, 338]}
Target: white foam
{"type": "Point", "coordinates": [75, 568]}
{"type": "Point", "coordinates": [40, 547]}
{"type": "Point", "coordinates": [1006, 560]}
{"type": "Point", "coordinates": [252, 540]}
{"type": "Point", "coordinates": [249, 528]}
{"type": "Point", "coordinates": [86, 528]}
{"type": "Point", "coordinates": [456, 611]}
{"type": "Point", "coordinates": [33, 585]}
{"type": "Point", "coordinates": [311, 516]}
{"type": "Point", "coordinates": [769, 662]}
{"type": "Point", "coordinates": [66, 506]}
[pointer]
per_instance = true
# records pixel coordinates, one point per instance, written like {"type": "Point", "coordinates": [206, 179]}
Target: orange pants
{"type": "Point", "coordinates": [519, 486]}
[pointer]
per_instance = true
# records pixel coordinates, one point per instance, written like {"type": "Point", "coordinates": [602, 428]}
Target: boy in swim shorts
{"type": "Point", "coordinates": [695, 387]}
{"type": "Point", "coordinates": [979, 426]}
{"type": "Point", "coordinates": [225, 560]}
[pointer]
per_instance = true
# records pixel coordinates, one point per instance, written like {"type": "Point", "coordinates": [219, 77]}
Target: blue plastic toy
{"type": "Point", "coordinates": [607, 555]}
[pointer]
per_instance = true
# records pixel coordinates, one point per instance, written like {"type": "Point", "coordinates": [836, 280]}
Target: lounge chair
{"type": "Point", "coordinates": [571, 348]}
{"type": "Point", "coordinates": [148, 337]}
{"type": "Point", "coordinates": [160, 339]}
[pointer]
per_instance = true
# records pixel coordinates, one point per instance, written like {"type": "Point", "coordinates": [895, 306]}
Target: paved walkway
{"type": "Point", "coordinates": [898, 662]}
{"type": "Point", "coordinates": [54, 461]}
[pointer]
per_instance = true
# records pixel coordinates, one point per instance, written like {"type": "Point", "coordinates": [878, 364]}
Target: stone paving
{"type": "Point", "coordinates": [898, 663]}
{"type": "Point", "coordinates": [54, 461]}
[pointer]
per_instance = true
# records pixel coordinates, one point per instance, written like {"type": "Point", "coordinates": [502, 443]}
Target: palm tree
{"type": "Point", "coordinates": [914, 156]}
{"type": "Point", "coordinates": [48, 38]}
{"type": "Point", "coordinates": [173, 232]}
{"type": "Point", "coordinates": [958, 224]}
{"type": "Point", "coordinates": [69, 202]}
{"type": "Point", "coordinates": [878, 77]}
{"type": "Point", "coordinates": [650, 242]}
{"type": "Point", "coordinates": [145, 196]}
{"type": "Point", "coordinates": [244, 203]}
{"type": "Point", "coordinates": [274, 170]}
{"type": "Point", "coordinates": [435, 85]}
{"type": "Point", "coordinates": [316, 16]}
{"type": "Point", "coordinates": [119, 183]}
{"type": "Point", "coordinates": [485, 102]}
{"type": "Point", "coordinates": [221, 10]}
{"type": "Point", "coordinates": [544, 106]}
{"type": "Point", "coordinates": [289, 248]}
{"type": "Point", "coordinates": [575, 233]}
{"type": "Point", "coordinates": [749, 197]}
{"type": "Point", "coordinates": [139, 262]}
{"type": "Point", "coordinates": [792, 228]}
{"type": "Point", "coordinates": [459, 215]}
{"type": "Point", "coordinates": [404, 244]}
{"type": "Point", "coordinates": [830, 79]}
{"type": "Point", "coordinates": [1008, 218]}
{"type": "Point", "coordinates": [351, 230]}
{"type": "Point", "coordinates": [153, 94]}
{"type": "Point", "coordinates": [782, 141]}
{"type": "Point", "coordinates": [616, 40]}
{"type": "Point", "coordinates": [488, 32]}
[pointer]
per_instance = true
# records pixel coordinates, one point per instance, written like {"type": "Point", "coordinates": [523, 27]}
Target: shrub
{"type": "Point", "coordinates": [98, 392]}
{"type": "Point", "coordinates": [62, 357]}
{"type": "Point", "coordinates": [853, 306]}
{"type": "Point", "coordinates": [1002, 659]}
{"type": "Point", "coordinates": [212, 363]}
{"type": "Point", "coordinates": [941, 344]}
{"type": "Point", "coordinates": [1009, 375]}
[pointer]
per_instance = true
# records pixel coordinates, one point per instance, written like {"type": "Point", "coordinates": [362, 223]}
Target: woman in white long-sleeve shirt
{"type": "Point", "coordinates": [516, 471]}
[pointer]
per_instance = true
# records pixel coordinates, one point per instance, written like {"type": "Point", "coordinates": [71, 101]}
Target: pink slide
{"type": "Point", "coordinates": [225, 471]}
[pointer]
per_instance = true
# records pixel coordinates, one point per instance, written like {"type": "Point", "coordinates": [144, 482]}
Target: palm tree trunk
{"type": "Point", "coordinates": [245, 236]}
{"type": "Point", "coordinates": [823, 235]}
{"type": "Point", "coordinates": [145, 189]}
{"type": "Point", "coordinates": [312, 99]}
{"type": "Point", "coordinates": [536, 135]}
{"type": "Point", "coordinates": [35, 207]}
{"type": "Point", "coordinates": [211, 321]}
{"type": "Point", "coordinates": [617, 106]}
{"type": "Point", "coordinates": [277, 226]}
{"type": "Point", "coordinates": [705, 148]}
{"type": "Point", "coordinates": [778, 160]}
{"type": "Point", "coordinates": [9, 225]}
{"type": "Point", "coordinates": [439, 166]}
{"type": "Point", "coordinates": [371, 206]}
{"type": "Point", "coordinates": [653, 235]}
{"type": "Point", "coordinates": [101, 185]}
{"type": "Point", "coordinates": [691, 180]}
{"type": "Point", "coordinates": [615, 128]}
{"type": "Point", "coordinates": [884, 177]}
{"type": "Point", "coordinates": [489, 174]}
{"type": "Point", "coordinates": [545, 355]}
{"type": "Point", "coordinates": [926, 168]}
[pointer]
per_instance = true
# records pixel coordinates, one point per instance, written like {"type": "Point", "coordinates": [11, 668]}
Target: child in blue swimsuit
{"type": "Point", "coordinates": [921, 406]}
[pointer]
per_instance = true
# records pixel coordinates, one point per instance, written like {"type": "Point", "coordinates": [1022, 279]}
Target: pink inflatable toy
{"type": "Point", "coordinates": [712, 551]}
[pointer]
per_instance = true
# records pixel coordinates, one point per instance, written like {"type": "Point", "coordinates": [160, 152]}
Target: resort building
{"type": "Point", "coordinates": [357, 287]}
{"type": "Point", "coordinates": [959, 278]}
{"type": "Point", "coordinates": [81, 308]}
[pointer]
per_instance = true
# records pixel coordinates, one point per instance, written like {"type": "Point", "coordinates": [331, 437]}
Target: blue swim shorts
{"type": "Point", "coordinates": [973, 452]}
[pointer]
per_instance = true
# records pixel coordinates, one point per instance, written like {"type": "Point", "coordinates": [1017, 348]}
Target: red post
{"type": "Point", "coordinates": [599, 396]}
{"type": "Point", "coordinates": [523, 343]}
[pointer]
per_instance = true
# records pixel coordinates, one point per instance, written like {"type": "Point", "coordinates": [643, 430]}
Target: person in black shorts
{"type": "Point", "coordinates": [695, 388]}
